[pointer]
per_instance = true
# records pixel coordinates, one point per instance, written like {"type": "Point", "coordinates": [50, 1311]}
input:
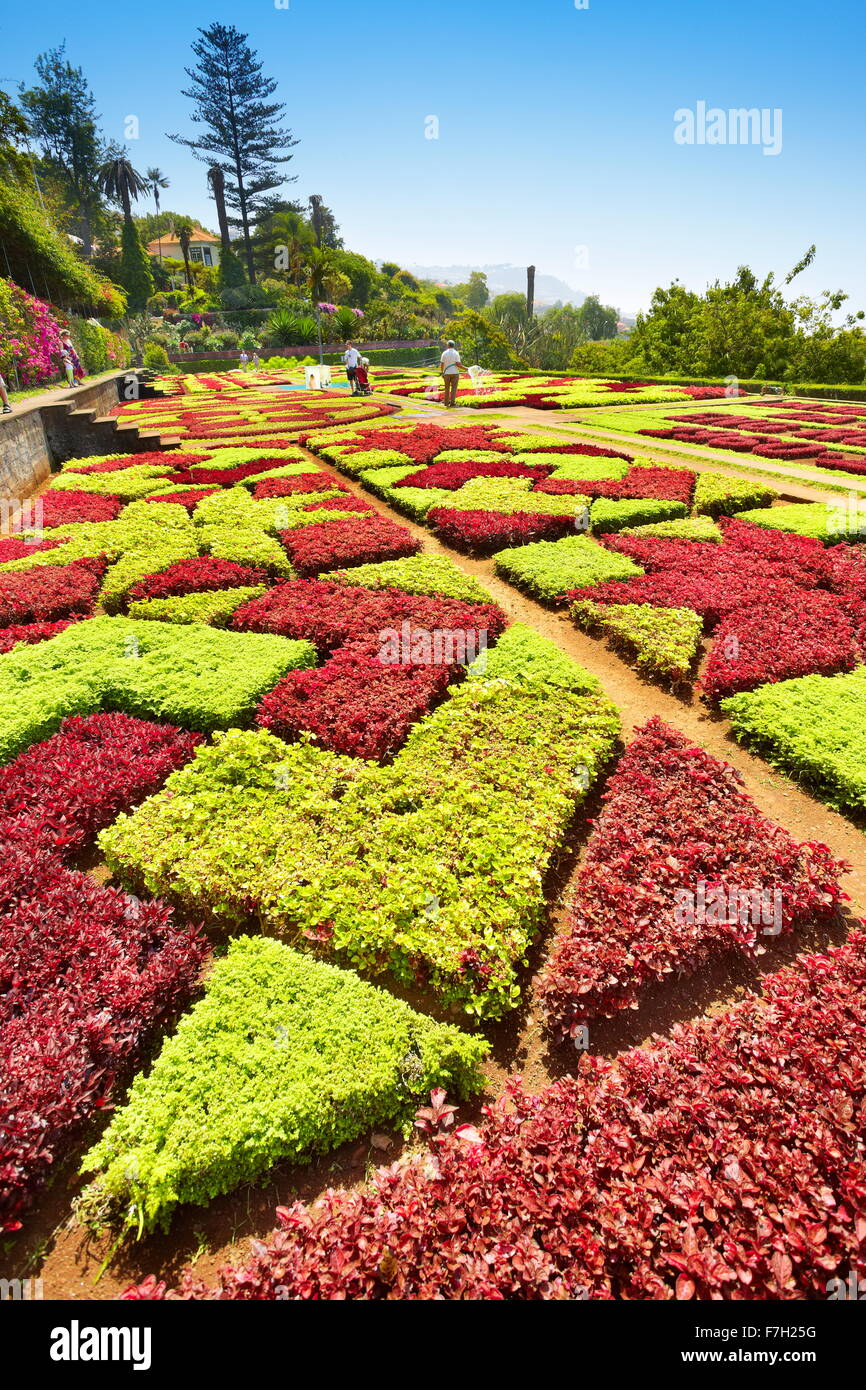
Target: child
{"type": "Point", "coordinates": [362, 377]}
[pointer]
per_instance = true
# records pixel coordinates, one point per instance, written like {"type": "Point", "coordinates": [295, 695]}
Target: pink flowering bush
{"type": "Point", "coordinates": [29, 337]}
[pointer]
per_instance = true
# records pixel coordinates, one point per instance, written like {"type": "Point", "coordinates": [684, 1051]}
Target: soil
{"type": "Point", "coordinates": [69, 1259]}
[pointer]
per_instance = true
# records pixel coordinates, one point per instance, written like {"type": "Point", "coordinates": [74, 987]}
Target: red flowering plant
{"type": "Point", "coordinates": [195, 577]}
{"type": "Point", "coordinates": [54, 591]}
{"type": "Point", "coordinates": [680, 865]}
{"type": "Point", "coordinates": [335, 543]}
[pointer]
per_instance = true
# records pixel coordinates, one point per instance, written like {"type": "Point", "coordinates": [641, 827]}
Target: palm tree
{"type": "Point", "coordinates": [156, 180]}
{"type": "Point", "coordinates": [217, 180]}
{"type": "Point", "coordinates": [184, 231]}
{"type": "Point", "coordinates": [320, 276]}
{"type": "Point", "coordinates": [121, 183]}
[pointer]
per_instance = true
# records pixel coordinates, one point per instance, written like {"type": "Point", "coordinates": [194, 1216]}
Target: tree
{"type": "Point", "coordinates": [597, 320]}
{"type": "Point", "coordinates": [283, 241]}
{"type": "Point", "coordinates": [217, 180]}
{"type": "Point", "coordinates": [61, 113]}
{"type": "Point", "coordinates": [14, 131]}
{"type": "Point", "coordinates": [156, 180]}
{"type": "Point", "coordinates": [135, 273]}
{"type": "Point", "coordinates": [324, 224]}
{"type": "Point", "coordinates": [478, 293]}
{"type": "Point", "coordinates": [184, 231]}
{"type": "Point", "coordinates": [230, 272]}
{"type": "Point", "coordinates": [121, 183]}
{"type": "Point", "coordinates": [241, 134]}
{"type": "Point", "coordinates": [482, 341]}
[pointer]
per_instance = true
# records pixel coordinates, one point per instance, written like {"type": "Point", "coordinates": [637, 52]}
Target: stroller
{"type": "Point", "coordinates": [362, 378]}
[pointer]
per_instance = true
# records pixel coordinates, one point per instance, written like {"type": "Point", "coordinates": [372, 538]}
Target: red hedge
{"type": "Point", "coordinates": [68, 508]}
{"type": "Point", "coordinates": [55, 591]}
{"type": "Point", "coordinates": [482, 531]}
{"type": "Point", "coordinates": [674, 817]}
{"type": "Point", "coordinates": [356, 703]}
{"type": "Point", "coordinates": [88, 976]}
{"type": "Point", "coordinates": [453, 475]}
{"type": "Point", "coordinates": [302, 482]}
{"type": "Point", "coordinates": [195, 577]}
{"type": "Point", "coordinates": [813, 634]}
{"type": "Point", "coordinates": [337, 543]}
{"type": "Point", "coordinates": [31, 632]}
{"type": "Point", "coordinates": [11, 548]}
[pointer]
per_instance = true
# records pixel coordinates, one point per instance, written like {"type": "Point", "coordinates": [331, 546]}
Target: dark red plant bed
{"type": "Point", "coordinates": [480, 532]}
{"type": "Point", "coordinates": [195, 577]}
{"type": "Point", "coordinates": [312, 549]}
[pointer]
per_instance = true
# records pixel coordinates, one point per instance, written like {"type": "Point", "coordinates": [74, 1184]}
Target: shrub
{"type": "Point", "coordinates": [810, 634]}
{"type": "Point", "coordinates": [89, 978]}
{"type": "Point", "coordinates": [688, 528]}
{"type": "Point", "coordinates": [663, 641]}
{"type": "Point", "coordinates": [480, 532]}
{"type": "Point", "coordinates": [247, 547]}
{"type": "Point", "coordinates": [731, 1110]}
{"type": "Point", "coordinates": [607, 515]}
{"type": "Point", "coordinates": [823, 521]}
{"type": "Point", "coordinates": [716, 495]}
{"type": "Point", "coordinates": [30, 632]}
{"type": "Point", "coordinates": [283, 1058]}
{"type": "Point", "coordinates": [155, 357]}
{"type": "Point", "coordinates": [523, 656]}
{"type": "Point", "coordinates": [417, 574]}
{"type": "Point", "coordinates": [212, 606]}
{"type": "Point", "coordinates": [63, 509]}
{"type": "Point", "coordinates": [194, 576]}
{"type": "Point", "coordinates": [548, 569]}
{"type": "Point", "coordinates": [680, 865]}
{"type": "Point", "coordinates": [127, 484]}
{"type": "Point", "coordinates": [400, 869]}
{"type": "Point", "coordinates": [813, 729]}
{"type": "Point", "coordinates": [354, 541]}
{"type": "Point", "coordinates": [44, 595]}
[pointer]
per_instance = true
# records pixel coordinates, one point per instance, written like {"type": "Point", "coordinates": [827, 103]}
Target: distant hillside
{"type": "Point", "coordinates": [504, 279]}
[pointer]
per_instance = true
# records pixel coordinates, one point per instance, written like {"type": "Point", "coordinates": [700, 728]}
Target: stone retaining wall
{"type": "Point", "coordinates": [37, 437]}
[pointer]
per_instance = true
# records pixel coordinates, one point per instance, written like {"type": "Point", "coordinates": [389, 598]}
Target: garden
{"type": "Point", "coordinates": [338, 746]}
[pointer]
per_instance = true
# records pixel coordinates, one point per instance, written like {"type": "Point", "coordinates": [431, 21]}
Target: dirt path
{"type": "Point", "coordinates": [69, 1260]}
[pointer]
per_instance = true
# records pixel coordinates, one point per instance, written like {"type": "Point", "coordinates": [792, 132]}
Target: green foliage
{"type": "Point", "coordinates": [417, 574]}
{"type": "Point", "coordinates": [716, 495]}
{"type": "Point", "coordinates": [524, 657]}
{"type": "Point", "coordinates": [823, 521]}
{"type": "Point", "coordinates": [284, 1057]}
{"type": "Point", "coordinates": [512, 495]}
{"type": "Point", "coordinates": [213, 606]}
{"type": "Point", "coordinates": [663, 641]}
{"type": "Point", "coordinates": [547, 569]}
{"type": "Point", "coordinates": [135, 564]}
{"type": "Point", "coordinates": [198, 677]}
{"type": "Point", "coordinates": [813, 728]}
{"type": "Point", "coordinates": [230, 271]}
{"type": "Point", "coordinates": [155, 357]}
{"type": "Point", "coordinates": [481, 342]}
{"type": "Point", "coordinates": [577, 469]}
{"type": "Point", "coordinates": [136, 275]}
{"type": "Point", "coordinates": [431, 867]}
{"type": "Point", "coordinates": [41, 258]}
{"type": "Point", "coordinates": [367, 459]}
{"type": "Point", "coordinates": [246, 545]}
{"type": "Point", "coordinates": [608, 515]}
{"type": "Point", "coordinates": [689, 528]}
{"type": "Point", "coordinates": [99, 349]}
{"type": "Point", "coordinates": [129, 484]}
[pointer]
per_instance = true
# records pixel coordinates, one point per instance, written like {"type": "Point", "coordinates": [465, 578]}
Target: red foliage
{"type": "Point", "coordinates": [482, 531]}
{"type": "Point", "coordinates": [170, 457]}
{"type": "Point", "coordinates": [356, 703]}
{"type": "Point", "coordinates": [336, 543]}
{"type": "Point", "coordinates": [812, 634]}
{"type": "Point", "coordinates": [453, 475]}
{"type": "Point", "coordinates": [189, 499]}
{"type": "Point", "coordinates": [54, 591]}
{"type": "Point", "coordinates": [345, 503]}
{"type": "Point", "coordinates": [31, 632]}
{"type": "Point", "coordinates": [11, 548]}
{"type": "Point", "coordinates": [68, 508]}
{"type": "Point", "coordinates": [195, 577]}
{"type": "Point", "coordinates": [330, 614]}
{"type": "Point", "coordinates": [87, 978]}
{"type": "Point", "coordinates": [675, 818]}
{"type": "Point", "coordinates": [302, 482]}
{"type": "Point", "coordinates": [58, 794]}
{"type": "Point", "coordinates": [424, 442]}
{"type": "Point", "coordinates": [722, 1162]}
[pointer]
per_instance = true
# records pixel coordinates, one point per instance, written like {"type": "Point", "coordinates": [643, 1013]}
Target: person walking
{"type": "Point", "coordinates": [352, 357]}
{"type": "Point", "coordinates": [4, 397]}
{"type": "Point", "coordinates": [77, 369]}
{"type": "Point", "coordinates": [451, 366]}
{"type": "Point", "coordinates": [244, 359]}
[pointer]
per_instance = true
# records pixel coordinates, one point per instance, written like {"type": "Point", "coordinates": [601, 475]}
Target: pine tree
{"type": "Point", "coordinates": [135, 273]}
{"type": "Point", "coordinates": [230, 272]}
{"type": "Point", "coordinates": [239, 134]}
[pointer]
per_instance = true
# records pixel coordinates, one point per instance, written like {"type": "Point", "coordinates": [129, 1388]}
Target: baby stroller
{"type": "Point", "coordinates": [362, 378]}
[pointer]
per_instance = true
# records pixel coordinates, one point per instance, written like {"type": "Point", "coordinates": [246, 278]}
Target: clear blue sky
{"type": "Point", "coordinates": [556, 126]}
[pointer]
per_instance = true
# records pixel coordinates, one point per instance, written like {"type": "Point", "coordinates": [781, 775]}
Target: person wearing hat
{"type": "Point", "coordinates": [451, 367]}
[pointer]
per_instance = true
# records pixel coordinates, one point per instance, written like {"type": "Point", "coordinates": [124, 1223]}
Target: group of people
{"type": "Point", "coordinates": [450, 365]}
{"type": "Point", "coordinates": [246, 359]}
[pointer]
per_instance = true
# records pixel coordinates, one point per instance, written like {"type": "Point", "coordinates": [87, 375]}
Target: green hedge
{"type": "Point", "coordinates": [213, 606]}
{"type": "Point", "coordinates": [824, 521]}
{"type": "Point", "coordinates": [430, 869]}
{"type": "Point", "coordinates": [813, 728]}
{"type": "Point", "coordinates": [417, 574]}
{"type": "Point", "coordinates": [284, 1057]}
{"type": "Point", "coordinates": [662, 641]}
{"type": "Point", "coordinates": [523, 656]}
{"type": "Point", "coordinates": [607, 515]}
{"type": "Point", "coordinates": [688, 528]}
{"type": "Point", "coordinates": [716, 495]}
{"type": "Point", "coordinates": [547, 569]}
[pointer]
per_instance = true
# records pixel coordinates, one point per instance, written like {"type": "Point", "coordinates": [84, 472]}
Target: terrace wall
{"type": "Point", "coordinates": [49, 429]}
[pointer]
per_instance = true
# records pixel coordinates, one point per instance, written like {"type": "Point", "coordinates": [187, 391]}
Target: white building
{"type": "Point", "coordinates": [203, 248]}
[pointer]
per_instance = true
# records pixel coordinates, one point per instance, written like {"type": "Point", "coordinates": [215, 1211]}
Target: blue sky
{"type": "Point", "coordinates": [555, 127]}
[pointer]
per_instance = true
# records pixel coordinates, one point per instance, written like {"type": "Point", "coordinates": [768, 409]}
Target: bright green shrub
{"type": "Point", "coordinates": [416, 502]}
{"type": "Point", "coordinates": [687, 528]}
{"type": "Point", "coordinates": [578, 468]}
{"type": "Point", "coordinates": [382, 480]}
{"type": "Point", "coordinates": [284, 1057]}
{"type": "Point", "coordinates": [509, 496]}
{"type": "Point", "coordinates": [522, 655]}
{"type": "Point", "coordinates": [155, 357]}
{"type": "Point", "coordinates": [247, 546]}
{"type": "Point", "coordinates": [813, 728]}
{"type": "Point", "coordinates": [664, 641]}
{"type": "Point", "coordinates": [141, 480]}
{"type": "Point", "coordinates": [365, 459]}
{"type": "Point", "coordinates": [198, 677]}
{"type": "Point", "coordinates": [417, 574]}
{"type": "Point", "coordinates": [607, 515]}
{"type": "Point", "coordinates": [716, 495]}
{"type": "Point", "coordinates": [430, 867]}
{"type": "Point", "coordinates": [546, 569]}
{"type": "Point", "coordinates": [134, 565]}
{"type": "Point", "coordinates": [212, 606]}
{"type": "Point", "coordinates": [829, 522]}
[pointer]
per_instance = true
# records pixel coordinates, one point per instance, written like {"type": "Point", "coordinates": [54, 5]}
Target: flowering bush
{"type": "Point", "coordinates": [29, 337]}
{"type": "Point", "coordinates": [88, 977]}
{"type": "Point", "coordinates": [680, 865]}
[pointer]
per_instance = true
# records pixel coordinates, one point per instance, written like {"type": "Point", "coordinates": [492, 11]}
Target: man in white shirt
{"type": "Point", "coordinates": [351, 357]}
{"type": "Point", "coordinates": [451, 367]}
